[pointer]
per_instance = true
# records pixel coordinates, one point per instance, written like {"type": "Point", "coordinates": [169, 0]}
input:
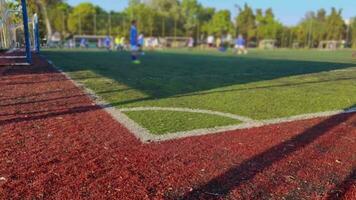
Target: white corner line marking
{"type": "Point", "coordinates": [190, 110]}
{"type": "Point", "coordinates": [147, 137]}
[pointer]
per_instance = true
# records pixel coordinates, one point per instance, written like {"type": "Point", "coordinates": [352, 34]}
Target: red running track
{"type": "Point", "coordinates": [55, 143]}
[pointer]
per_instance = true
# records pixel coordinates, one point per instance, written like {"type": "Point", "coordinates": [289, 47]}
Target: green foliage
{"type": "Point", "coordinates": [220, 23]}
{"type": "Point", "coordinates": [146, 17]}
{"type": "Point", "coordinates": [353, 32]}
{"type": "Point", "coordinates": [335, 25]}
{"type": "Point", "coordinates": [268, 27]}
{"type": "Point", "coordinates": [246, 22]}
{"type": "Point", "coordinates": [320, 26]}
{"type": "Point", "coordinates": [81, 18]}
{"type": "Point", "coordinates": [59, 17]}
{"type": "Point", "coordinates": [190, 11]}
{"type": "Point", "coordinates": [189, 17]}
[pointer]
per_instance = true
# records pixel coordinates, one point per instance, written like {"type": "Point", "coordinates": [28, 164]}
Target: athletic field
{"type": "Point", "coordinates": [182, 91]}
{"type": "Point", "coordinates": [57, 143]}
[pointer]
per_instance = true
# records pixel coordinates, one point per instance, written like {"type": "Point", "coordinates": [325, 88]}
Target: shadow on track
{"type": "Point", "coordinates": [247, 170]}
{"type": "Point", "coordinates": [340, 190]}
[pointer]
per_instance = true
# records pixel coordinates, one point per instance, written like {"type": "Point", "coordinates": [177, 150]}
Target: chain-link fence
{"type": "Point", "coordinates": [12, 28]}
{"type": "Point", "coordinates": [173, 32]}
{"type": "Point", "coordinates": [5, 30]}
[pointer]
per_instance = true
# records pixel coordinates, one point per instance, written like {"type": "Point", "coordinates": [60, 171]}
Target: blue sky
{"type": "Point", "coordinates": [287, 11]}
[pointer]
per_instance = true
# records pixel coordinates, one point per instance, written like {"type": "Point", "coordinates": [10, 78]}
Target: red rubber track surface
{"type": "Point", "coordinates": [9, 61]}
{"type": "Point", "coordinates": [55, 143]}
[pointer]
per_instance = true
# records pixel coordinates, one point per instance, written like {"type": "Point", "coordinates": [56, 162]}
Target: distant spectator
{"type": "Point", "coordinates": [210, 41]}
{"type": "Point", "coordinates": [218, 42]}
{"type": "Point", "coordinates": [191, 43]}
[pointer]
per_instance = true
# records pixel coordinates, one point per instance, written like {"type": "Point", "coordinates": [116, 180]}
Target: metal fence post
{"type": "Point", "coordinates": [36, 33]}
{"type": "Point", "coordinates": [26, 30]}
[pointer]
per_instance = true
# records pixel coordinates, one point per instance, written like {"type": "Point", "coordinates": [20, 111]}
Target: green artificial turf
{"type": "Point", "coordinates": [169, 122]}
{"type": "Point", "coordinates": [260, 85]}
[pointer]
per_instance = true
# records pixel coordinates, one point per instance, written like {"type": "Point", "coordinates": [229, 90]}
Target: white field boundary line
{"type": "Point", "coordinates": [138, 131]}
{"type": "Point", "coordinates": [247, 125]}
{"type": "Point", "coordinates": [209, 112]}
{"type": "Point", "coordinates": [146, 137]}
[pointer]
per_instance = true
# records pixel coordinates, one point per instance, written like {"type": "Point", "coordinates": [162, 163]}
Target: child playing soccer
{"type": "Point", "coordinates": [83, 43]}
{"type": "Point", "coordinates": [108, 43]}
{"type": "Point", "coordinates": [134, 43]}
{"type": "Point", "coordinates": [240, 45]}
{"type": "Point", "coordinates": [141, 43]}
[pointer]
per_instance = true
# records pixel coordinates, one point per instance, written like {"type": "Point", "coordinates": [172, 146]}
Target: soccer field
{"type": "Point", "coordinates": [181, 90]}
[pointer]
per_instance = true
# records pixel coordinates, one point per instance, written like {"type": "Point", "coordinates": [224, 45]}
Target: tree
{"type": "Point", "coordinates": [59, 16]}
{"type": "Point", "coordinates": [246, 22]}
{"type": "Point", "coordinates": [267, 26]}
{"type": "Point", "coordinates": [353, 32]}
{"type": "Point", "coordinates": [335, 25]}
{"type": "Point", "coordinates": [81, 18]}
{"type": "Point", "coordinates": [43, 8]}
{"type": "Point", "coordinates": [220, 23]}
{"type": "Point", "coordinates": [43, 4]}
{"type": "Point", "coordinates": [190, 11]}
{"type": "Point", "coordinates": [321, 15]}
{"type": "Point", "coordinates": [164, 6]}
{"type": "Point", "coordinates": [305, 31]}
{"type": "Point", "coordinates": [145, 16]}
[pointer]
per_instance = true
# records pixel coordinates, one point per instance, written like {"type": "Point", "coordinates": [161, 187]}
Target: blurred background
{"type": "Point", "coordinates": [172, 22]}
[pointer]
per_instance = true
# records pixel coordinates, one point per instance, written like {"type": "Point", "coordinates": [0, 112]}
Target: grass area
{"type": "Point", "coordinates": [169, 122]}
{"type": "Point", "coordinates": [260, 85]}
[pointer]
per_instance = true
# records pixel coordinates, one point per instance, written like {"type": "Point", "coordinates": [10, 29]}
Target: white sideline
{"type": "Point", "coordinates": [246, 125]}
{"type": "Point", "coordinates": [139, 132]}
{"type": "Point", "coordinates": [146, 137]}
{"type": "Point", "coordinates": [209, 112]}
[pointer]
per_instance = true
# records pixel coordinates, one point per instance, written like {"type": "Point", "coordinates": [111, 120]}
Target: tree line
{"type": "Point", "coordinates": [183, 18]}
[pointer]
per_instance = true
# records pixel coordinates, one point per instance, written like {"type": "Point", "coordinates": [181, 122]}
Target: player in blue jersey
{"type": "Point", "coordinates": [240, 45]}
{"type": "Point", "coordinates": [134, 42]}
{"type": "Point", "coordinates": [108, 43]}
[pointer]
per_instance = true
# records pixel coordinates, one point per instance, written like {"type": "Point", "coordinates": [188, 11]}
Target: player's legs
{"type": "Point", "coordinates": [244, 50]}
{"type": "Point", "coordinates": [140, 50]}
{"type": "Point", "coordinates": [239, 49]}
{"type": "Point", "coordinates": [235, 49]}
{"type": "Point", "coordinates": [134, 54]}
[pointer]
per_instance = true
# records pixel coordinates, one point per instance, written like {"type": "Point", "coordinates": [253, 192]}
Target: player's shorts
{"type": "Point", "coordinates": [239, 46]}
{"type": "Point", "coordinates": [134, 47]}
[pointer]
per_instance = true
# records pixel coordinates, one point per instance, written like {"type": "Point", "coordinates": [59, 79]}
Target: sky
{"type": "Point", "coordinates": [289, 12]}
